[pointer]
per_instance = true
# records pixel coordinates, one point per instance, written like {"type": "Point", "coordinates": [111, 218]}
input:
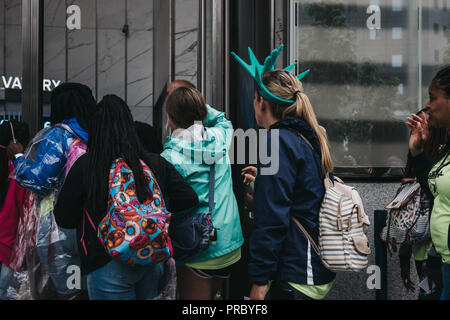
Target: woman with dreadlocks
{"type": "Point", "coordinates": [427, 261]}
{"type": "Point", "coordinates": [88, 198]}
{"type": "Point", "coordinates": [435, 177]}
{"type": "Point", "coordinates": [42, 169]}
{"type": "Point", "coordinates": [72, 105]}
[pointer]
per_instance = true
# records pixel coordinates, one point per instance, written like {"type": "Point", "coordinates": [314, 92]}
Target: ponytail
{"type": "Point", "coordinates": [285, 85]}
{"type": "Point", "coordinates": [306, 112]}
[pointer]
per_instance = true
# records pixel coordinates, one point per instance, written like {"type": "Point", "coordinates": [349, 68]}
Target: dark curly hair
{"type": "Point", "coordinates": [72, 100]}
{"type": "Point", "coordinates": [442, 80]}
{"type": "Point", "coordinates": [113, 134]}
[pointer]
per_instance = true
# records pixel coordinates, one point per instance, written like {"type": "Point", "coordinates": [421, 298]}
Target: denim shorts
{"type": "Point", "coordinates": [118, 281]}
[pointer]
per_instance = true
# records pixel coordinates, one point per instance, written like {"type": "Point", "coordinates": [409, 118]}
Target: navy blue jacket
{"type": "Point", "coordinates": [278, 249]}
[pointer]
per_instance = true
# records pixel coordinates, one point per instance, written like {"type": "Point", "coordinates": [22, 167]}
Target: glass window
{"type": "Point", "coordinates": [396, 5]}
{"type": "Point", "coordinates": [436, 28]}
{"type": "Point", "coordinates": [10, 60]}
{"type": "Point", "coordinates": [435, 48]}
{"type": "Point", "coordinates": [370, 68]}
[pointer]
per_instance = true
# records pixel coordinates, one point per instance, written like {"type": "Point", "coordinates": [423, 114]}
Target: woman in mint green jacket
{"type": "Point", "coordinates": [202, 136]}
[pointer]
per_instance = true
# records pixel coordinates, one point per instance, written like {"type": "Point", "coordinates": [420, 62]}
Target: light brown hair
{"type": "Point", "coordinates": [179, 83]}
{"type": "Point", "coordinates": [185, 106]}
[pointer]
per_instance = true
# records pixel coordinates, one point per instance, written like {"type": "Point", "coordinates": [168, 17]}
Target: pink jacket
{"type": "Point", "coordinates": [9, 217]}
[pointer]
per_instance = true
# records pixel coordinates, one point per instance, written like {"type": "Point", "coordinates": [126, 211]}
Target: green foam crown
{"type": "Point", "coordinates": [256, 70]}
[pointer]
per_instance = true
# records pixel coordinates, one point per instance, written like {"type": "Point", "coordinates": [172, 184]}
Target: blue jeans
{"type": "Point", "coordinates": [4, 274]}
{"type": "Point", "coordinates": [117, 281]}
{"type": "Point", "coordinates": [6, 280]}
{"type": "Point", "coordinates": [445, 281]}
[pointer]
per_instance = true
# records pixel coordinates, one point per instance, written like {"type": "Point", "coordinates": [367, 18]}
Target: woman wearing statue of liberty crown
{"type": "Point", "coordinates": [282, 260]}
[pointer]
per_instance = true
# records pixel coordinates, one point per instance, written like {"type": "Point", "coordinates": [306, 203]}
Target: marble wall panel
{"type": "Point", "coordinates": [2, 46]}
{"type": "Point", "coordinates": [88, 12]}
{"type": "Point", "coordinates": [140, 14]}
{"type": "Point", "coordinates": [13, 50]}
{"type": "Point", "coordinates": [111, 14]}
{"type": "Point", "coordinates": [207, 88]}
{"type": "Point", "coordinates": [12, 38]}
{"type": "Point", "coordinates": [186, 15]}
{"type": "Point", "coordinates": [81, 57]}
{"type": "Point", "coordinates": [55, 53]}
{"type": "Point", "coordinates": [54, 13]}
{"type": "Point", "coordinates": [186, 55]}
{"type": "Point", "coordinates": [186, 39]}
{"type": "Point", "coordinates": [13, 12]}
{"type": "Point", "coordinates": [111, 63]}
{"type": "Point", "coordinates": [2, 12]}
{"type": "Point", "coordinates": [142, 114]}
{"type": "Point", "coordinates": [140, 69]}
{"type": "Point", "coordinates": [2, 36]}
{"type": "Point", "coordinates": [140, 59]}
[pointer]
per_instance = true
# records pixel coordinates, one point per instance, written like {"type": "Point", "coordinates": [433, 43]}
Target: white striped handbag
{"type": "Point", "coordinates": [343, 246]}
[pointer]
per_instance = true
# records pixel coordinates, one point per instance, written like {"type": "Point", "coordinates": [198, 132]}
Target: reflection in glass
{"type": "Point", "coordinates": [365, 79]}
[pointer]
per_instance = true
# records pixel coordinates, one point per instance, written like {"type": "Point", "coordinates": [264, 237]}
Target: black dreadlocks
{"type": "Point", "coordinates": [442, 80]}
{"type": "Point", "coordinates": [71, 100]}
{"type": "Point", "coordinates": [113, 134]}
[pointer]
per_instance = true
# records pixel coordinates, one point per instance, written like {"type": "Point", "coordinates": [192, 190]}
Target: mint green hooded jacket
{"type": "Point", "coordinates": [192, 157]}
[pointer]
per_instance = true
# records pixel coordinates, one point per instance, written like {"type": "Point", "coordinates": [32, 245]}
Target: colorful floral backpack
{"type": "Point", "coordinates": [134, 233]}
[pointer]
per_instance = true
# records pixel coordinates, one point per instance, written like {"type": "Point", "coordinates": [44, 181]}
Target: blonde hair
{"type": "Point", "coordinates": [285, 85]}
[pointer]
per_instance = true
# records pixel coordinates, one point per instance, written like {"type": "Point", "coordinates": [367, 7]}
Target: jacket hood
{"type": "Point", "coordinates": [302, 127]}
{"type": "Point", "coordinates": [75, 126]}
{"type": "Point", "coordinates": [208, 150]}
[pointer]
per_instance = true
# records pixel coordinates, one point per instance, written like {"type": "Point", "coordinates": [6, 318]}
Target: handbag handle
{"type": "Point", "coordinates": [313, 243]}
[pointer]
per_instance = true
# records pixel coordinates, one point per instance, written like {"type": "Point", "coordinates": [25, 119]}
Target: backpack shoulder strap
{"type": "Point", "coordinates": [313, 243]}
{"type": "Point", "coordinates": [327, 179]}
{"type": "Point", "coordinates": [303, 137]}
{"type": "Point", "coordinates": [307, 141]}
